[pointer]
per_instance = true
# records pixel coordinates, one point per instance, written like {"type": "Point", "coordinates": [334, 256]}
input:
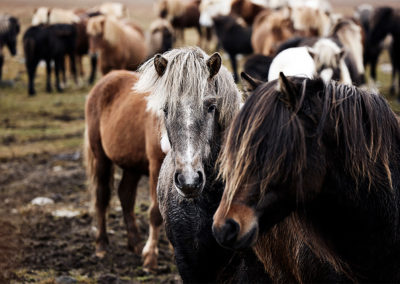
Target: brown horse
{"type": "Point", "coordinates": [270, 29]}
{"type": "Point", "coordinates": [246, 9]}
{"type": "Point", "coordinates": [121, 44]}
{"type": "Point", "coordinates": [121, 131]}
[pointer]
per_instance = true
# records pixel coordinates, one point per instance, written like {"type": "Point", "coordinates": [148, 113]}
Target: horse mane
{"type": "Point", "coordinates": [363, 123]}
{"type": "Point", "coordinates": [187, 75]}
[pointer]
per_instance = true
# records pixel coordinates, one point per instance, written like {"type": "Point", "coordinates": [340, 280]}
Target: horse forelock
{"type": "Point", "coordinates": [187, 78]}
{"type": "Point", "coordinates": [5, 23]}
{"type": "Point", "coordinates": [264, 136]}
{"type": "Point", "coordinates": [266, 141]}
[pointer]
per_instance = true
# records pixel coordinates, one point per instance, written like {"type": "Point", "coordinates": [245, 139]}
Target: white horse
{"type": "Point", "coordinates": [213, 8]}
{"type": "Point", "coordinates": [324, 59]}
{"type": "Point", "coordinates": [46, 15]}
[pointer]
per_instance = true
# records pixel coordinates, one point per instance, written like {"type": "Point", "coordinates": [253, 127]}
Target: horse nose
{"type": "Point", "coordinates": [189, 183]}
{"type": "Point", "coordinates": [227, 235]}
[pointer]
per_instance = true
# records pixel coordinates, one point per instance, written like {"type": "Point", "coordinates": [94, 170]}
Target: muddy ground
{"type": "Point", "coordinates": [38, 246]}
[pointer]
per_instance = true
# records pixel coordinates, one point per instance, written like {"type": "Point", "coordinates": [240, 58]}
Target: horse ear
{"type": "Point", "coordinates": [160, 63]}
{"type": "Point", "coordinates": [288, 91]}
{"type": "Point", "coordinates": [312, 52]}
{"type": "Point", "coordinates": [249, 84]}
{"type": "Point", "coordinates": [214, 64]}
{"type": "Point", "coordinates": [340, 55]}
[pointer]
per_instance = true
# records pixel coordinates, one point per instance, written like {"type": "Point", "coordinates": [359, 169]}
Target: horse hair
{"type": "Point", "coordinates": [182, 82]}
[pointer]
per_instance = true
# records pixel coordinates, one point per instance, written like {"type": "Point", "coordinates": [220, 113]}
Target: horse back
{"type": "Point", "coordinates": [119, 126]}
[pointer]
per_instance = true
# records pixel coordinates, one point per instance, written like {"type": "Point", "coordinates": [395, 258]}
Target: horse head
{"type": "Point", "coordinates": [266, 157]}
{"type": "Point", "coordinates": [10, 33]}
{"type": "Point", "coordinates": [329, 61]}
{"type": "Point", "coordinates": [197, 97]}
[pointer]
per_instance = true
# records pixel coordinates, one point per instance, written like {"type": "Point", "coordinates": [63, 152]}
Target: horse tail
{"type": "Point", "coordinates": [95, 171]}
{"type": "Point", "coordinates": [89, 163]}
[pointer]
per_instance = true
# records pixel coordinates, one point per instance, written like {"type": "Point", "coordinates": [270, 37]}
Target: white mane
{"type": "Point", "coordinates": [187, 75]}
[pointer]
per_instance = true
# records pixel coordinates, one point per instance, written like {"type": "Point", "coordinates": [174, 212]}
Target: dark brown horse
{"type": "Point", "coordinates": [120, 131]}
{"type": "Point", "coordinates": [312, 179]}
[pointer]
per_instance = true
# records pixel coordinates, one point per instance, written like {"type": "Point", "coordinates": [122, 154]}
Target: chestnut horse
{"type": "Point", "coordinates": [121, 44]}
{"type": "Point", "coordinates": [315, 164]}
{"type": "Point", "coordinates": [121, 131]}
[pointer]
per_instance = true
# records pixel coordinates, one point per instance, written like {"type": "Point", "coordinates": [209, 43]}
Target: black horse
{"type": "Point", "coordinates": [9, 29]}
{"type": "Point", "coordinates": [234, 37]}
{"type": "Point", "coordinates": [386, 21]}
{"type": "Point", "coordinates": [50, 43]}
{"type": "Point", "coordinates": [314, 163]}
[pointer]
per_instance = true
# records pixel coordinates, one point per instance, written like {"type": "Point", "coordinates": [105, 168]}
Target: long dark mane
{"type": "Point", "coordinates": [271, 142]}
{"type": "Point", "coordinates": [269, 135]}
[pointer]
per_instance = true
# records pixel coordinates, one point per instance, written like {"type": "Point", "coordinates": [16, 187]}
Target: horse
{"type": "Point", "coordinates": [270, 29]}
{"type": "Point", "coordinates": [386, 21]}
{"type": "Point", "coordinates": [49, 43]}
{"type": "Point", "coordinates": [325, 58]}
{"type": "Point", "coordinates": [363, 15]}
{"type": "Point", "coordinates": [182, 15]}
{"type": "Point", "coordinates": [161, 37]}
{"type": "Point", "coordinates": [9, 30]}
{"type": "Point", "coordinates": [351, 36]}
{"type": "Point", "coordinates": [247, 9]}
{"type": "Point", "coordinates": [234, 37]}
{"type": "Point", "coordinates": [320, 162]}
{"type": "Point", "coordinates": [121, 131]}
{"type": "Point", "coordinates": [257, 66]}
{"type": "Point", "coordinates": [195, 98]}
{"type": "Point", "coordinates": [78, 18]}
{"type": "Point", "coordinates": [119, 44]}
{"type": "Point", "coordinates": [311, 21]}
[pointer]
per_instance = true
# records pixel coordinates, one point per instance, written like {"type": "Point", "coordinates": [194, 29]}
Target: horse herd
{"type": "Point", "coordinates": [296, 180]}
{"type": "Point", "coordinates": [323, 43]}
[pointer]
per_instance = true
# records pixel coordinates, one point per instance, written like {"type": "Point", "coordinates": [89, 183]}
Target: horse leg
{"type": "Point", "coordinates": [234, 66]}
{"type": "Point", "coordinates": [73, 67]}
{"type": "Point", "coordinates": [200, 32]}
{"type": "Point", "coordinates": [58, 65]}
{"type": "Point", "coordinates": [150, 250]}
{"type": "Point", "coordinates": [127, 196]}
{"type": "Point", "coordinates": [103, 177]}
{"type": "Point", "coordinates": [93, 63]}
{"type": "Point", "coordinates": [31, 67]}
{"type": "Point", "coordinates": [1, 66]}
{"type": "Point", "coordinates": [48, 76]}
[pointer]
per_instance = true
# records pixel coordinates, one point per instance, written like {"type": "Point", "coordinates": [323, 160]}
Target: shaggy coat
{"type": "Point", "coordinates": [316, 165]}
{"type": "Point", "coordinates": [120, 131]}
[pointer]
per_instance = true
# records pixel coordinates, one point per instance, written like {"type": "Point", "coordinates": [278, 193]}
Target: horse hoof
{"type": "Point", "coordinates": [101, 254]}
{"type": "Point", "coordinates": [150, 262]}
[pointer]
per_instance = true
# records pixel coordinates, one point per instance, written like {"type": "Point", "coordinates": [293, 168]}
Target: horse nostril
{"type": "Point", "coordinates": [198, 180]}
{"type": "Point", "coordinates": [179, 180]}
{"type": "Point", "coordinates": [229, 232]}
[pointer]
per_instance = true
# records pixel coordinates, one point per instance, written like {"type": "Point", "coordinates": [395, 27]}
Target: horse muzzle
{"type": "Point", "coordinates": [189, 184]}
{"type": "Point", "coordinates": [236, 228]}
{"type": "Point", "coordinates": [229, 235]}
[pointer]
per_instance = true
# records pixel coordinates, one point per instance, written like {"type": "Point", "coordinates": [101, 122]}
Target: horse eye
{"type": "Point", "coordinates": [211, 108]}
{"type": "Point", "coordinates": [165, 110]}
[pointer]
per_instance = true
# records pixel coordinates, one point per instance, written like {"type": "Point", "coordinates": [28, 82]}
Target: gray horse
{"type": "Point", "coordinates": [197, 99]}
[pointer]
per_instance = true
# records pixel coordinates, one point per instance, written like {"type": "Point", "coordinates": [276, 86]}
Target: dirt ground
{"type": "Point", "coordinates": [40, 244]}
{"type": "Point", "coordinates": [54, 243]}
